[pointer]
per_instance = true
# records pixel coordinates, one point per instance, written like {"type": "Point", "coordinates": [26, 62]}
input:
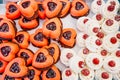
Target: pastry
{"type": "Point", "coordinates": [66, 55]}
{"type": "Point", "coordinates": [3, 65]}
{"type": "Point", "coordinates": [22, 39]}
{"type": "Point", "coordinates": [116, 53]}
{"type": "Point", "coordinates": [68, 37]}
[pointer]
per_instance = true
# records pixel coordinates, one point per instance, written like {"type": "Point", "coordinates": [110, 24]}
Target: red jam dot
{"type": "Point", "coordinates": [111, 8]}
{"type": "Point", "coordinates": [118, 53]}
{"type": "Point", "coordinates": [81, 64]}
{"type": "Point", "coordinates": [96, 61]}
{"type": "Point", "coordinates": [104, 52]}
{"type": "Point", "coordinates": [69, 55]}
{"type": "Point", "coordinates": [111, 63]}
{"type": "Point", "coordinates": [95, 30]}
{"type": "Point", "coordinates": [68, 73]}
{"type": "Point", "coordinates": [118, 35]}
{"type": "Point", "coordinates": [100, 34]}
{"type": "Point", "coordinates": [113, 40]}
{"type": "Point", "coordinates": [85, 20]}
{"type": "Point", "coordinates": [105, 75]}
{"type": "Point", "coordinates": [98, 17]}
{"type": "Point", "coordinates": [98, 42]}
{"type": "Point", "coordinates": [117, 17]}
{"type": "Point", "coordinates": [113, 3]}
{"type": "Point", "coordinates": [109, 22]}
{"type": "Point", "coordinates": [85, 51]}
{"type": "Point", "coordinates": [99, 2]}
{"type": "Point", "coordinates": [85, 36]}
{"type": "Point", "coordinates": [85, 72]}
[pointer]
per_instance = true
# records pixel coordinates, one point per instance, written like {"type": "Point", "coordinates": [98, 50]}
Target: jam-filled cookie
{"type": "Point", "coordinates": [42, 59]}
{"type": "Point", "coordinates": [29, 9]}
{"type": "Point", "coordinates": [38, 39]}
{"type": "Point", "coordinates": [65, 7]}
{"type": "Point", "coordinates": [4, 76]}
{"type": "Point", "coordinates": [68, 38]}
{"type": "Point", "coordinates": [3, 40]}
{"type": "Point", "coordinates": [7, 30]}
{"type": "Point", "coordinates": [8, 50]}
{"type": "Point", "coordinates": [51, 74]}
{"type": "Point", "coordinates": [22, 39]}
{"type": "Point", "coordinates": [41, 11]}
{"type": "Point", "coordinates": [79, 8]}
{"type": "Point", "coordinates": [54, 51]}
{"type": "Point", "coordinates": [33, 74]}
{"type": "Point", "coordinates": [28, 24]}
{"type": "Point", "coordinates": [12, 11]}
{"type": "Point", "coordinates": [16, 68]}
{"type": "Point", "coordinates": [3, 65]}
{"type": "Point", "coordinates": [52, 8]}
{"type": "Point", "coordinates": [26, 54]}
{"type": "Point", "coordinates": [52, 28]}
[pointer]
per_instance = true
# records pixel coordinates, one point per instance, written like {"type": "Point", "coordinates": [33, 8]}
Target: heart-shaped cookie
{"type": "Point", "coordinates": [7, 30]}
{"type": "Point", "coordinates": [54, 51]}
{"type": "Point", "coordinates": [42, 59]}
{"type": "Point", "coordinates": [8, 50]}
{"type": "Point", "coordinates": [52, 28]}
{"type": "Point", "coordinates": [68, 37]}
{"type": "Point", "coordinates": [26, 54]}
{"type": "Point", "coordinates": [79, 8]}
{"type": "Point", "coordinates": [16, 68]}
{"type": "Point", "coordinates": [22, 39]}
{"type": "Point", "coordinates": [38, 39]}
{"type": "Point", "coordinates": [33, 74]}
{"type": "Point", "coordinates": [52, 7]}
{"type": "Point", "coordinates": [3, 65]}
{"type": "Point", "coordinates": [51, 74]}
{"type": "Point", "coordinates": [12, 11]}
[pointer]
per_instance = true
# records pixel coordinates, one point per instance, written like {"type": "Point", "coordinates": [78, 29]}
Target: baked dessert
{"type": "Point", "coordinates": [42, 59]}
{"type": "Point", "coordinates": [22, 39]}
{"type": "Point", "coordinates": [29, 9]}
{"type": "Point", "coordinates": [16, 68]}
{"type": "Point", "coordinates": [52, 73]}
{"type": "Point", "coordinates": [3, 65]}
{"type": "Point", "coordinates": [116, 53]}
{"type": "Point", "coordinates": [12, 11]}
{"type": "Point", "coordinates": [8, 51]}
{"type": "Point", "coordinates": [65, 8]}
{"type": "Point", "coordinates": [26, 54]}
{"type": "Point", "coordinates": [79, 8]}
{"type": "Point", "coordinates": [52, 28]}
{"type": "Point", "coordinates": [28, 24]}
{"type": "Point", "coordinates": [66, 55]}
{"type": "Point", "coordinates": [52, 8]}
{"type": "Point", "coordinates": [68, 74]}
{"type": "Point", "coordinates": [38, 39]}
{"type": "Point", "coordinates": [68, 37]}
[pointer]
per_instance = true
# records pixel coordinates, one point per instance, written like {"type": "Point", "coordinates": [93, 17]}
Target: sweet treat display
{"type": "Point", "coordinates": [78, 62]}
{"type": "Point", "coordinates": [27, 24]}
{"type": "Point", "coordinates": [51, 74]}
{"type": "Point", "coordinates": [68, 74]}
{"type": "Point", "coordinates": [52, 28]}
{"type": "Point", "coordinates": [66, 55]}
{"type": "Point", "coordinates": [102, 74]}
{"type": "Point", "coordinates": [94, 61]}
{"type": "Point", "coordinates": [22, 39]}
{"type": "Point", "coordinates": [16, 68]}
{"type": "Point", "coordinates": [65, 7]}
{"type": "Point", "coordinates": [29, 9]}
{"type": "Point", "coordinates": [79, 8]}
{"type": "Point", "coordinates": [68, 37]}
{"type": "Point", "coordinates": [12, 11]}
{"type": "Point", "coordinates": [3, 65]}
{"type": "Point", "coordinates": [54, 51]}
{"type": "Point", "coordinates": [8, 50]}
{"type": "Point", "coordinates": [42, 59]}
{"type": "Point", "coordinates": [52, 8]}
{"type": "Point", "coordinates": [38, 39]}
{"type": "Point", "coordinates": [86, 74]}
{"type": "Point", "coordinates": [26, 54]}
{"type": "Point", "coordinates": [7, 30]}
